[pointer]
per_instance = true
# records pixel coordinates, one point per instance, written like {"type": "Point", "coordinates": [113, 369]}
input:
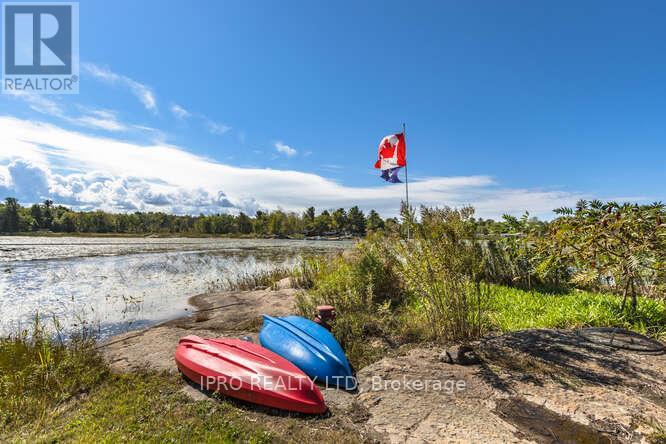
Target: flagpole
{"type": "Point", "coordinates": [404, 135]}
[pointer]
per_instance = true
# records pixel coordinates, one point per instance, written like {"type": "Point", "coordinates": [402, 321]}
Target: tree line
{"type": "Point", "coordinates": [47, 216]}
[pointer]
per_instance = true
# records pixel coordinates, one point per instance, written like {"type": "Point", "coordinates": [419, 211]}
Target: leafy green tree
{"type": "Point", "coordinates": [202, 225]}
{"type": "Point", "coordinates": [293, 224]}
{"type": "Point", "coordinates": [36, 213]}
{"type": "Point", "coordinates": [65, 222]}
{"type": "Point", "coordinates": [27, 222]}
{"type": "Point", "coordinates": [309, 219]}
{"type": "Point", "coordinates": [322, 223]}
{"type": "Point", "coordinates": [261, 223]}
{"type": "Point", "coordinates": [14, 217]}
{"type": "Point", "coordinates": [244, 223]}
{"type": "Point", "coordinates": [11, 222]}
{"type": "Point", "coordinates": [276, 222]}
{"type": "Point", "coordinates": [392, 225]}
{"type": "Point", "coordinates": [47, 214]}
{"type": "Point", "coordinates": [339, 220]}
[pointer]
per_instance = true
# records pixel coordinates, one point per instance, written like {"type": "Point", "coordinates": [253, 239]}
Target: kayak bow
{"type": "Point", "coordinates": [310, 347]}
{"type": "Point", "coordinates": [248, 372]}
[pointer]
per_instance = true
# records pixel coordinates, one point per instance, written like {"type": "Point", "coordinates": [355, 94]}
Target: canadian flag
{"type": "Point", "coordinates": [392, 157]}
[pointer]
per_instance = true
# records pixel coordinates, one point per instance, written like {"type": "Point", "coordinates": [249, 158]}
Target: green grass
{"type": "Point", "coordinates": [53, 390]}
{"type": "Point", "coordinates": [511, 309]}
{"type": "Point", "coordinates": [147, 407]}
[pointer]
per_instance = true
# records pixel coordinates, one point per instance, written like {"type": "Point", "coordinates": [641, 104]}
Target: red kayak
{"type": "Point", "coordinates": [249, 372]}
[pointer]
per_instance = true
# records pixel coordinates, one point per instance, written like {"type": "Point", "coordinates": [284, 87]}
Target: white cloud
{"type": "Point", "coordinates": [39, 103]}
{"type": "Point", "coordinates": [179, 111]}
{"type": "Point", "coordinates": [144, 93]}
{"type": "Point", "coordinates": [149, 99]}
{"type": "Point", "coordinates": [100, 119]}
{"type": "Point", "coordinates": [285, 149]}
{"type": "Point", "coordinates": [95, 190]}
{"type": "Point", "coordinates": [213, 127]}
{"type": "Point", "coordinates": [103, 172]}
{"type": "Point", "coordinates": [90, 118]}
{"type": "Point", "coordinates": [26, 180]}
{"type": "Point", "coordinates": [216, 128]}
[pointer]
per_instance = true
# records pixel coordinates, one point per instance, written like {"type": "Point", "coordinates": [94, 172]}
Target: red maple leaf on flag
{"type": "Point", "coordinates": [392, 152]}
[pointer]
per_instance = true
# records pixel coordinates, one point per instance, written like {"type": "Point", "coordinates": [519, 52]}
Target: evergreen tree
{"type": "Point", "coordinates": [356, 221]}
{"type": "Point", "coordinates": [374, 221]}
{"type": "Point", "coordinates": [309, 214]}
{"type": "Point", "coordinates": [261, 223]}
{"type": "Point", "coordinates": [309, 220]}
{"type": "Point", "coordinates": [339, 220]}
{"type": "Point", "coordinates": [14, 218]}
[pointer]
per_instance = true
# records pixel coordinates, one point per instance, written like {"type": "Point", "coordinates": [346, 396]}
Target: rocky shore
{"type": "Point", "coordinates": [542, 386]}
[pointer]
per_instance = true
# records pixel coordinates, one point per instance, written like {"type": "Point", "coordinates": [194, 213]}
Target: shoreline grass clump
{"type": "Point", "coordinates": [254, 280]}
{"type": "Point", "coordinates": [39, 371]}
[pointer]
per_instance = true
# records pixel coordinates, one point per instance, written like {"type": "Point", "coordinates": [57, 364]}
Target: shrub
{"type": "Point", "coordinates": [443, 267]}
{"type": "Point", "coordinates": [514, 258]}
{"type": "Point", "coordinates": [608, 246]}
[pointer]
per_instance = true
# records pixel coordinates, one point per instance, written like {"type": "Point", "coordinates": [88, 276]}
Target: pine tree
{"type": "Point", "coordinates": [356, 220]}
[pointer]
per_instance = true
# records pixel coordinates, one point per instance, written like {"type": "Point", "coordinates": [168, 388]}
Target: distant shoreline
{"type": "Point", "coordinates": [173, 235]}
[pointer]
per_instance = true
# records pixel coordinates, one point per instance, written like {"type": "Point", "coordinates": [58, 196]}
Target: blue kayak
{"type": "Point", "coordinates": [310, 347]}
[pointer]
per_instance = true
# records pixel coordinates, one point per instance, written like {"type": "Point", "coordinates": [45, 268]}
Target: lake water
{"type": "Point", "coordinates": [120, 284]}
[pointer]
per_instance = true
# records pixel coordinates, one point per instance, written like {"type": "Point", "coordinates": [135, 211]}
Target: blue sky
{"type": "Point", "coordinates": [230, 106]}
